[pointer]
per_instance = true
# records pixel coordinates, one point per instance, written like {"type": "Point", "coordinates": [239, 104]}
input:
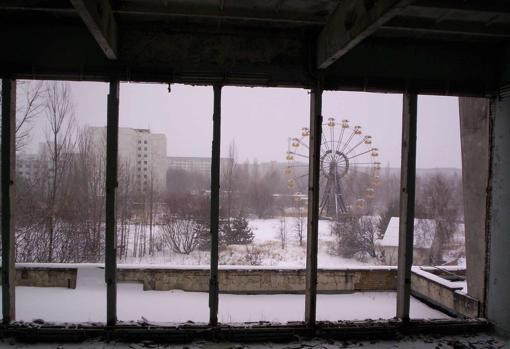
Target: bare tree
{"type": "Point", "coordinates": [59, 112]}
{"type": "Point", "coordinates": [299, 226]}
{"type": "Point", "coordinates": [153, 197]}
{"type": "Point", "coordinates": [229, 179]}
{"type": "Point", "coordinates": [442, 200]}
{"type": "Point", "coordinates": [282, 231]}
{"type": "Point", "coordinates": [355, 237]}
{"type": "Point", "coordinates": [181, 235]}
{"type": "Point", "coordinates": [31, 102]}
{"type": "Point", "coordinates": [260, 198]}
{"type": "Point", "coordinates": [88, 179]}
{"type": "Point", "coordinates": [125, 194]}
{"type": "Point", "coordinates": [30, 222]}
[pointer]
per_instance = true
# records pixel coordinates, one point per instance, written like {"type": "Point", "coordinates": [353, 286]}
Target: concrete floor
{"type": "Point", "coordinates": [480, 341]}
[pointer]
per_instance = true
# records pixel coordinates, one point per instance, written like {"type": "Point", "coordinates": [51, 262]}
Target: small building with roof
{"type": "Point", "coordinates": [424, 233]}
{"type": "Point", "coordinates": [453, 250]}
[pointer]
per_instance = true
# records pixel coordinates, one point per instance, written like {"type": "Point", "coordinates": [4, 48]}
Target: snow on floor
{"type": "Point", "coordinates": [87, 303]}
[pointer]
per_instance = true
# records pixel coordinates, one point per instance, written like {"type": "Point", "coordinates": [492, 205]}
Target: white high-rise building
{"type": "Point", "coordinates": [141, 151]}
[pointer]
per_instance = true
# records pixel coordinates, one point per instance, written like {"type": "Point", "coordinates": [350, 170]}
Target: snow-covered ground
{"type": "Point", "coordinates": [266, 249]}
{"type": "Point", "coordinates": [87, 303]}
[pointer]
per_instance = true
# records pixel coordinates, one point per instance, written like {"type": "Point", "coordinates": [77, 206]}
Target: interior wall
{"type": "Point", "coordinates": [498, 300]}
{"type": "Point", "coordinates": [474, 136]}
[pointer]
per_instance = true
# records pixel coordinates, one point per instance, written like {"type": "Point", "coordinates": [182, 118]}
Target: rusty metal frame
{"type": "Point", "coordinates": [312, 238]}
{"type": "Point", "coordinates": [407, 196]}
{"type": "Point", "coordinates": [8, 180]}
{"type": "Point", "coordinates": [112, 135]}
{"type": "Point", "coordinates": [215, 207]}
{"type": "Point", "coordinates": [344, 330]}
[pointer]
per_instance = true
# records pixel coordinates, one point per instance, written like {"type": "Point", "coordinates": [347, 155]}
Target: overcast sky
{"type": "Point", "coordinates": [260, 120]}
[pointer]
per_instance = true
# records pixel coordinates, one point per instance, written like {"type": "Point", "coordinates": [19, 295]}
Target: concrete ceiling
{"type": "Point", "coordinates": [457, 47]}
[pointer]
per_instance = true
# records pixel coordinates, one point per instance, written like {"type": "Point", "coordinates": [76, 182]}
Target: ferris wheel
{"type": "Point", "coordinates": [349, 168]}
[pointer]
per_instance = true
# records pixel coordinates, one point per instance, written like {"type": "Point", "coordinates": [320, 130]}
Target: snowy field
{"type": "Point", "coordinates": [87, 303]}
{"type": "Point", "coordinates": [266, 249]}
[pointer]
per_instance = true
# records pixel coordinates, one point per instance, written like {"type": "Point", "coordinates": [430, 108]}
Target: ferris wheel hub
{"type": "Point", "coordinates": [334, 164]}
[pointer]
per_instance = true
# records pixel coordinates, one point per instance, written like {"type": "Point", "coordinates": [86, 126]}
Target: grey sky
{"type": "Point", "coordinates": [261, 119]}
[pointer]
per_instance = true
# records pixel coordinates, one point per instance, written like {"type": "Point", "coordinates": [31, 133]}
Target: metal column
{"type": "Point", "coordinates": [112, 135]}
{"type": "Point", "coordinates": [7, 177]}
{"type": "Point", "coordinates": [215, 207]}
{"type": "Point", "coordinates": [407, 191]}
{"type": "Point", "coordinates": [313, 205]}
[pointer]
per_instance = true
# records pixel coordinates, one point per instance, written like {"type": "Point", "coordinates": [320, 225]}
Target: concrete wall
{"type": "Point", "coordinates": [46, 276]}
{"type": "Point", "coordinates": [474, 132]}
{"type": "Point", "coordinates": [262, 280]}
{"type": "Point", "coordinates": [231, 280]}
{"type": "Point", "coordinates": [443, 295]}
{"type": "Point", "coordinates": [425, 284]}
{"type": "Point", "coordinates": [498, 297]}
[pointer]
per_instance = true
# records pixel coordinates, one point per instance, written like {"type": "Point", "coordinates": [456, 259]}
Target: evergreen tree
{"type": "Point", "coordinates": [237, 232]}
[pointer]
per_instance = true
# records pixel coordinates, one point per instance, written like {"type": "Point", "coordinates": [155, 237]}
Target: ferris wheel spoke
{"type": "Point", "coordinates": [297, 154]}
{"type": "Point", "coordinates": [357, 145]}
{"type": "Point", "coordinates": [363, 153]}
{"type": "Point", "coordinates": [348, 141]}
{"type": "Point", "coordinates": [340, 138]}
{"type": "Point", "coordinates": [303, 143]}
{"type": "Point", "coordinates": [301, 176]}
{"type": "Point", "coordinates": [332, 135]}
{"type": "Point", "coordinates": [341, 160]}
{"type": "Point", "coordinates": [325, 141]}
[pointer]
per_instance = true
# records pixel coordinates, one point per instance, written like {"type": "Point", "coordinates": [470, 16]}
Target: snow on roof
{"type": "Point", "coordinates": [424, 232]}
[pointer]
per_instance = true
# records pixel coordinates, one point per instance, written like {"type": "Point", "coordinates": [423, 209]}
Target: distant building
{"type": "Point", "coordinates": [142, 151]}
{"type": "Point", "coordinates": [424, 234]}
{"type": "Point", "coordinates": [31, 166]}
{"type": "Point", "coordinates": [200, 165]}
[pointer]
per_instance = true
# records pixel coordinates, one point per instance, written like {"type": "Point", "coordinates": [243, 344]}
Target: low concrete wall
{"type": "Point", "coordinates": [231, 280]}
{"type": "Point", "coordinates": [443, 294]}
{"type": "Point", "coordinates": [425, 285]}
{"type": "Point", "coordinates": [46, 277]}
{"type": "Point", "coordinates": [262, 280]}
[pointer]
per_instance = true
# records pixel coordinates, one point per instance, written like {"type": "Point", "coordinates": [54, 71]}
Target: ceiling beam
{"type": "Point", "coordinates": [272, 59]}
{"type": "Point", "coordinates": [98, 17]}
{"type": "Point", "coordinates": [485, 6]}
{"type": "Point", "coordinates": [36, 6]}
{"type": "Point", "coordinates": [469, 29]}
{"type": "Point", "coordinates": [218, 13]}
{"type": "Point", "coordinates": [351, 23]}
